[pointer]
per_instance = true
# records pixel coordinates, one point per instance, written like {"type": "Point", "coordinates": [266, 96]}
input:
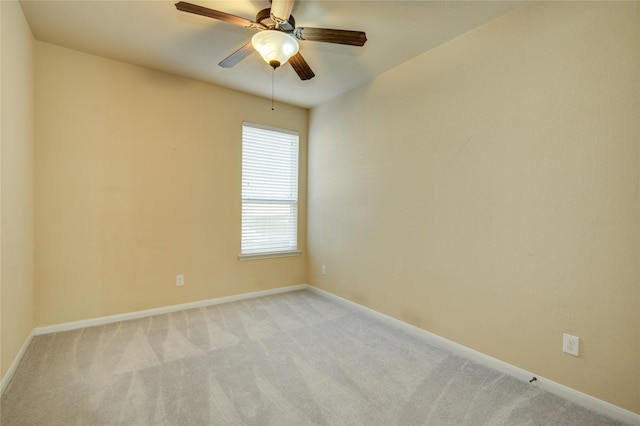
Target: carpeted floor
{"type": "Point", "coordinates": [291, 359]}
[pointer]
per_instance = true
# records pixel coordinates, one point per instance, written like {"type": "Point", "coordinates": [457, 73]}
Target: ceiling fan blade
{"type": "Point", "coordinates": [281, 9]}
{"type": "Point", "coordinates": [237, 56]}
{"type": "Point", "coordinates": [210, 13]}
{"type": "Point", "coordinates": [301, 67]}
{"type": "Point", "coordinates": [326, 35]}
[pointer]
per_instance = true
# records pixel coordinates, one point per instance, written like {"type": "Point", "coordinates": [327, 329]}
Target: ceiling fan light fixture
{"type": "Point", "coordinates": [274, 46]}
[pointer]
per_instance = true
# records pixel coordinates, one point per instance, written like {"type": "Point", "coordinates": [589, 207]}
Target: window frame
{"type": "Point", "coordinates": [276, 252]}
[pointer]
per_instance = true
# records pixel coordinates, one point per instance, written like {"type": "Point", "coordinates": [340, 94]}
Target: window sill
{"type": "Point", "coordinates": [257, 256]}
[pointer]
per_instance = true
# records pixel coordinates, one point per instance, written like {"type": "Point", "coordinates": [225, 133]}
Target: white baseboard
{"type": "Point", "coordinates": [164, 310]}
{"type": "Point", "coordinates": [577, 397]}
{"type": "Point", "coordinates": [16, 361]}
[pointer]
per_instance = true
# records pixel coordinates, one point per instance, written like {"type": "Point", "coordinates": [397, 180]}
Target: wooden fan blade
{"type": "Point", "coordinates": [326, 35]}
{"type": "Point", "coordinates": [301, 67]}
{"type": "Point", "coordinates": [210, 13]}
{"type": "Point", "coordinates": [281, 9]}
{"type": "Point", "coordinates": [237, 56]}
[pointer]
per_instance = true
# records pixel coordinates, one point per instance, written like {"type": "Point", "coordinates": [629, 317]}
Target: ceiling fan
{"type": "Point", "coordinates": [277, 30]}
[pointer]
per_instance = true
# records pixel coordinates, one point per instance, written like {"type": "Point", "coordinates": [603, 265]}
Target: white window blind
{"type": "Point", "coordinates": [269, 190]}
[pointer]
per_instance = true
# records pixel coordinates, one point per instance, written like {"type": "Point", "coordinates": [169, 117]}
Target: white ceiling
{"type": "Point", "coordinates": [155, 34]}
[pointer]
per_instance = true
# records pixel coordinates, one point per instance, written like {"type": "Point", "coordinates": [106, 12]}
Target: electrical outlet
{"type": "Point", "coordinates": [323, 270]}
{"type": "Point", "coordinates": [571, 344]}
{"type": "Point", "coordinates": [179, 280]}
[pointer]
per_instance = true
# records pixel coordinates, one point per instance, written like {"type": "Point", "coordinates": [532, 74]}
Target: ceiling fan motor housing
{"type": "Point", "coordinates": [264, 17]}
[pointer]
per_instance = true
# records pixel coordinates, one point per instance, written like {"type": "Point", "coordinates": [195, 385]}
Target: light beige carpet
{"type": "Point", "coordinates": [296, 358]}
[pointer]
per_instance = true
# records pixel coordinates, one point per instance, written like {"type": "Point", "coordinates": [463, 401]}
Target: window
{"type": "Point", "coordinates": [269, 192]}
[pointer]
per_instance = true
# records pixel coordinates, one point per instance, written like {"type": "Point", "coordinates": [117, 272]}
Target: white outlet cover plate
{"type": "Point", "coordinates": [571, 344]}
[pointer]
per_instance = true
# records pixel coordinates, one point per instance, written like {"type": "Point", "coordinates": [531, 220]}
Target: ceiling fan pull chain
{"type": "Point", "coordinates": [273, 82]}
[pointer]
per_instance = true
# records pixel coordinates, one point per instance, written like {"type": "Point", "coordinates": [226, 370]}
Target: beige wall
{"type": "Point", "coordinates": [487, 191]}
{"type": "Point", "coordinates": [138, 180]}
{"type": "Point", "coordinates": [16, 189]}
